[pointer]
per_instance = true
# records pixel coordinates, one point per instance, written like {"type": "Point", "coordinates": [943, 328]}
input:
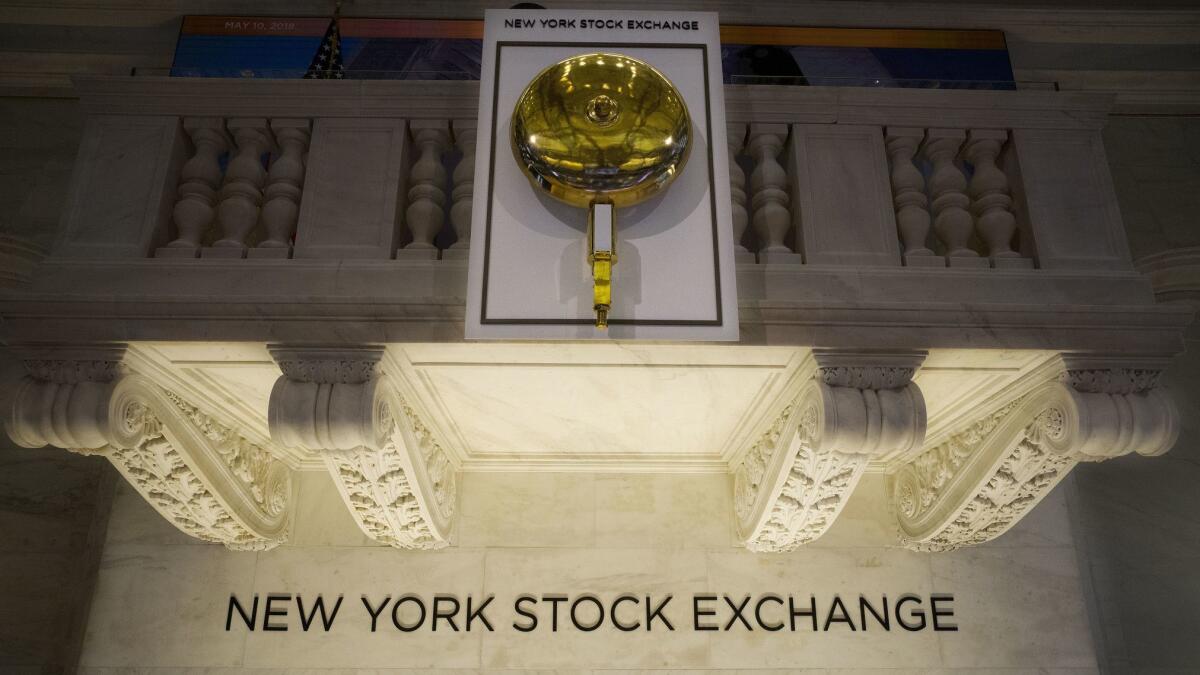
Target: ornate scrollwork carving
{"type": "Point", "coordinates": [381, 483]}
{"type": "Point", "coordinates": [348, 371]}
{"type": "Point", "coordinates": [814, 490]}
{"type": "Point", "coordinates": [392, 471]}
{"type": "Point", "coordinates": [875, 377]}
{"type": "Point", "coordinates": [1112, 380]}
{"type": "Point", "coordinates": [794, 480]}
{"type": "Point", "coordinates": [71, 371]}
{"type": "Point", "coordinates": [977, 484]}
{"type": "Point", "coordinates": [931, 470]}
{"type": "Point", "coordinates": [201, 475]}
{"type": "Point", "coordinates": [747, 480]}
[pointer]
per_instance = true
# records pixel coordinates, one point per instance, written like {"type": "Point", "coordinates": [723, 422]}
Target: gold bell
{"type": "Point", "coordinates": [601, 131]}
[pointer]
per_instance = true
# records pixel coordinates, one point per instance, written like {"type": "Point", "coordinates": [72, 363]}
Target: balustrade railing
{"type": "Point", "coordinates": [977, 210]}
{"type": "Point", "coordinates": [244, 200]}
{"type": "Point", "coordinates": [240, 191]}
{"type": "Point", "coordinates": [1003, 180]}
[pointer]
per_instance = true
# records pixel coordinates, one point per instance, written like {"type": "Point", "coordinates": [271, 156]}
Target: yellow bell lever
{"type": "Point", "coordinates": [601, 131]}
{"type": "Point", "coordinates": [602, 254]}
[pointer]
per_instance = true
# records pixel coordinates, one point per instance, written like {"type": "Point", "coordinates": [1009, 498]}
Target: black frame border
{"type": "Point", "coordinates": [712, 192]}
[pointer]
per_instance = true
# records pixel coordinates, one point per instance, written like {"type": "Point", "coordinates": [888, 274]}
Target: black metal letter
{"type": "Point", "coordinates": [318, 606]}
{"type": "Point", "coordinates": [533, 620]}
{"type": "Point", "coordinates": [250, 620]}
{"type": "Point", "coordinates": [758, 613]}
{"type": "Point", "coordinates": [697, 612]}
{"type": "Point", "coordinates": [272, 597]}
{"type": "Point", "coordinates": [438, 614]}
{"type": "Point", "coordinates": [478, 613]}
{"type": "Point", "coordinates": [920, 613]}
{"type": "Point", "coordinates": [948, 611]}
{"type": "Point", "coordinates": [373, 611]}
{"type": "Point", "coordinates": [612, 611]}
{"type": "Point", "coordinates": [407, 628]}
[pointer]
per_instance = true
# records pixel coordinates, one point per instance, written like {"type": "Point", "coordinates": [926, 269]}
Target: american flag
{"type": "Point", "coordinates": [327, 62]}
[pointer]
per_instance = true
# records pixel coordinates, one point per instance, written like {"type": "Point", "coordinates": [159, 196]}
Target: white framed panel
{"type": "Point", "coordinates": [529, 277]}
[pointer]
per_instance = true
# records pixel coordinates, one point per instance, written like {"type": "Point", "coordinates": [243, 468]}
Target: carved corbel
{"type": "Point", "coordinates": [978, 483]}
{"type": "Point", "coordinates": [389, 466]}
{"type": "Point", "coordinates": [202, 476]}
{"type": "Point", "coordinates": [792, 483]}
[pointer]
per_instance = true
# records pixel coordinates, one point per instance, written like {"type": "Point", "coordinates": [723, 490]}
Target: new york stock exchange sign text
{"type": "Point", "coordinates": [628, 612]}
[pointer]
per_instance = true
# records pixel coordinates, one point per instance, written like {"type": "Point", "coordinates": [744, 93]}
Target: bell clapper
{"type": "Point", "coordinates": [602, 255]}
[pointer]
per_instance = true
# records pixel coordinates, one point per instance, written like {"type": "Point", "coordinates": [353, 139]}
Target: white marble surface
{"type": "Point", "coordinates": [596, 407]}
{"type": "Point", "coordinates": [161, 603]}
{"type": "Point", "coordinates": [1138, 527]}
{"type": "Point", "coordinates": [164, 605]}
{"type": "Point", "coordinates": [48, 503]}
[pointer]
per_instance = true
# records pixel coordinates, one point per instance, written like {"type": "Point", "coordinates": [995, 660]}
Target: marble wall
{"type": "Point", "coordinates": [1139, 538]}
{"type": "Point", "coordinates": [39, 138]}
{"type": "Point", "coordinates": [1155, 163]}
{"type": "Point", "coordinates": [53, 510]}
{"type": "Point", "coordinates": [162, 598]}
{"type": "Point", "coordinates": [1139, 522]}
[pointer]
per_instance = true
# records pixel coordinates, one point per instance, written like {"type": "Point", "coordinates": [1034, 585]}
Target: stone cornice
{"type": "Point", "coordinates": [459, 100]}
{"type": "Point", "coordinates": [201, 97]}
{"type": "Point", "coordinates": [1154, 329]}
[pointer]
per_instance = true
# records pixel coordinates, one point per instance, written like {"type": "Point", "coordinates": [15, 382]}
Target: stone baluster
{"type": "Point", "coordinates": [768, 182]}
{"type": "Point", "coordinates": [991, 201]}
{"type": "Point", "coordinates": [199, 180]}
{"type": "Point", "coordinates": [948, 187]}
{"type": "Point", "coordinates": [242, 192]}
{"type": "Point", "coordinates": [735, 137]}
{"type": "Point", "coordinates": [426, 192]}
{"type": "Point", "coordinates": [908, 193]}
{"type": "Point", "coordinates": [464, 189]}
{"type": "Point", "coordinates": [285, 185]}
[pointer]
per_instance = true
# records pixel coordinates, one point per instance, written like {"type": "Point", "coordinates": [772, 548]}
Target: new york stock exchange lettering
{"type": "Point", "coordinates": [627, 612]}
{"type": "Point", "coordinates": [629, 24]}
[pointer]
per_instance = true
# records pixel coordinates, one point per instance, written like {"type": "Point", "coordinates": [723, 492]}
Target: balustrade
{"type": "Point", "coordinates": [861, 179]}
{"type": "Point", "coordinates": [859, 201]}
{"type": "Point", "coordinates": [245, 194]}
